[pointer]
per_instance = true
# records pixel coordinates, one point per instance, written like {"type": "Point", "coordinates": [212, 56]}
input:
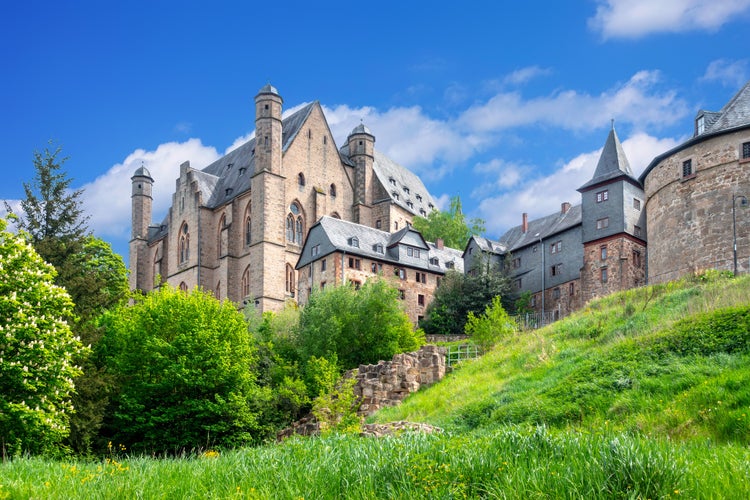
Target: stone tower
{"type": "Point", "coordinates": [613, 225]}
{"type": "Point", "coordinates": [362, 150]}
{"type": "Point", "coordinates": [267, 247]}
{"type": "Point", "coordinates": [141, 206]}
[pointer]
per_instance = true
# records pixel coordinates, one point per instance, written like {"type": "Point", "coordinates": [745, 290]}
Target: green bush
{"type": "Point", "coordinates": [184, 366]}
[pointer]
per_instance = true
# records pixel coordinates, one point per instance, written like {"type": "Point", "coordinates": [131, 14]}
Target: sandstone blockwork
{"type": "Point", "coordinates": [389, 382]}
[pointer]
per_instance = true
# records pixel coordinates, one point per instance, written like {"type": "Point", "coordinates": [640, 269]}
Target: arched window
{"type": "Point", "coordinates": [183, 286]}
{"type": "Point", "coordinates": [184, 244]}
{"type": "Point", "coordinates": [290, 280]}
{"type": "Point", "coordinates": [219, 242]}
{"type": "Point", "coordinates": [248, 225]}
{"type": "Point", "coordinates": [246, 282]}
{"type": "Point", "coordinates": [157, 269]}
{"type": "Point", "coordinates": [335, 215]}
{"type": "Point", "coordinates": [295, 224]}
{"type": "Point", "coordinates": [217, 292]}
{"type": "Point", "coordinates": [332, 190]}
{"type": "Point", "coordinates": [301, 179]}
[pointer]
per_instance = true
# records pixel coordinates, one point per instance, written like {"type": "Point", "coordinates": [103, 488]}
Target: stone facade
{"type": "Point", "coordinates": [613, 264]}
{"type": "Point", "coordinates": [237, 227]}
{"type": "Point", "coordinates": [690, 216]}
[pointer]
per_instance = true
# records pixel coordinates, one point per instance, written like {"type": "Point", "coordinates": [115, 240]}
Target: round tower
{"type": "Point", "coordinates": [361, 144]}
{"type": "Point", "coordinates": [268, 106]}
{"type": "Point", "coordinates": [142, 202]}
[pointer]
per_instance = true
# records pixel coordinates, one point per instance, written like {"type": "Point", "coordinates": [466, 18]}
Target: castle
{"type": "Point", "coordinates": [238, 226]}
{"type": "Point", "coordinates": [680, 216]}
{"type": "Point", "coordinates": [288, 212]}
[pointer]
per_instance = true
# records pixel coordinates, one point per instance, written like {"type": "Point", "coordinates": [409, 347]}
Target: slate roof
{"type": "Point", "coordinates": [335, 235]}
{"type": "Point", "coordinates": [612, 165]}
{"type": "Point", "coordinates": [408, 186]}
{"type": "Point", "coordinates": [734, 115]}
{"type": "Point", "coordinates": [543, 228]}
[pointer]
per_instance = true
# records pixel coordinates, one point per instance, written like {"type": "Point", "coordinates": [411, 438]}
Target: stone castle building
{"type": "Point", "coordinates": [682, 215]}
{"type": "Point", "coordinates": [288, 213]}
{"type": "Point", "coordinates": [238, 226]}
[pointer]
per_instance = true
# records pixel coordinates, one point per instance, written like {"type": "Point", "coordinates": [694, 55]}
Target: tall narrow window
{"type": "Point", "coordinates": [687, 168]}
{"type": "Point", "coordinates": [301, 179]}
{"type": "Point", "coordinates": [295, 224]}
{"type": "Point", "coordinates": [245, 284]}
{"type": "Point", "coordinates": [332, 190]}
{"type": "Point", "coordinates": [248, 225]}
{"type": "Point", "coordinates": [603, 252]}
{"type": "Point", "coordinates": [290, 280]}
{"type": "Point", "coordinates": [220, 242]}
{"type": "Point", "coordinates": [604, 274]}
{"type": "Point", "coordinates": [184, 244]}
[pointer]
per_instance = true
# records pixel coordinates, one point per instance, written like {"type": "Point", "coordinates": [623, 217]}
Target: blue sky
{"type": "Point", "coordinates": [506, 104]}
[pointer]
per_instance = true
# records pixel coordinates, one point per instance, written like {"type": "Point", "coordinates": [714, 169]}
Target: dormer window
{"type": "Point", "coordinates": [700, 125]}
{"type": "Point", "coordinates": [229, 165]}
{"type": "Point", "coordinates": [354, 242]}
{"type": "Point", "coordinates": [419, 197]}
{"type": "Point", "coordinates": [434, 261]}
{"type": "Point", "coordinates": [410, 204]}
{"type": "Point", "coordinates": [450, 265]}
{"type": "Point", "coordinates": [432, 207]}
{"type": "Point", "coordinates": [228, 191]}
{"type": "Point", "coordinates": [242, 170]}
{"type": "Point", "coordinates": [412, 252]}
{"type": "Point", "coordinates": [395, 195]}
{"type": "Point", "coordinates": [422, 212]}
{"type": "Point", "coordinates": [378, 248]}
{"type": "Point", "coordinates": [406, 190]}
{"type": "Point", "coordinates": [392, 181]}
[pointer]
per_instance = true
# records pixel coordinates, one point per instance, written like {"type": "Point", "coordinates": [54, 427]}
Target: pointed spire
{"type": "Point", "coordinates": [612, 162]}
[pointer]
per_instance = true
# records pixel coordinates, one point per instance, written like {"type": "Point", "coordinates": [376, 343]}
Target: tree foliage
{"type": "Point", "coordinates": [52, 213]}
{"type": "Point", "coordinates": [488, 328]}
{"type": "Point", "coordinates": [37, 349]}
{"type": "Point", "coordinates": [452, 226]}
{"type": "Point", "coordinates": [184, 364]}
{"type": "Point", "coordinates": [459, 294]}
{"type": "Point", "coordinates": [357, 326]}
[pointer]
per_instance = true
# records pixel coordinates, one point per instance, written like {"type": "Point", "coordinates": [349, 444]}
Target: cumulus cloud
{"type": "Point", "coordinates": [636, 101]}
{"type": "Point", "coordinates": [107, 198]}
{"type": "Point", "coordinates": [544, 195]}
{"type": "Point", "coordinates": [728, 73]}
{"type": "Point", "coordinates": [639, 18]}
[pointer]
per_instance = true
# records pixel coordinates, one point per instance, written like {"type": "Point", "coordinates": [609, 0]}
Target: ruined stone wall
{"type": "Point", "coordinates": [389, 382]}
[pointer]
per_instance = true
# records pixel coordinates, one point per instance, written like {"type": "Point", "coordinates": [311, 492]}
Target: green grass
{"type": "Point", "coordinates": [513, 462]}
{"type": "Point", "coordinates": [644, 394]}
{"type": "Point", "coordinates": [669, 360]}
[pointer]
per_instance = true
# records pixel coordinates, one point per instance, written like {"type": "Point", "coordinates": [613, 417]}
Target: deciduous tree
{"type": "Point", "coordinates": [452, 226]}
{"type": "Point", "coordinates": [37, 349]}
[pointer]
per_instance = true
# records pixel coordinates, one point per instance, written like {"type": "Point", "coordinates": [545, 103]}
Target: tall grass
{"type": "Point", "coordinates": [512, 462]}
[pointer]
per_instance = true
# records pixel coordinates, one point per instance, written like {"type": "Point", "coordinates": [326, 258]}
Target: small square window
{"type": "Point", "coordinates": [636, 203]}
{"type": "Point", "coordinates": [556, 292]}
{"type": "Point", "coordinates": [602, 196]}
{"type": "Point", "coordinates": [637, 230]}
{"type": "Point", "coordinates": [602, 223]}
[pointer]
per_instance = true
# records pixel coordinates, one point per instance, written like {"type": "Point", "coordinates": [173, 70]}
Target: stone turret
{"type": "Point", "coordinates": [268, 131]}
{"type": "Point", "coordinates": [141, 206]}
{"type": "Point", "coordinates": [361, 144]}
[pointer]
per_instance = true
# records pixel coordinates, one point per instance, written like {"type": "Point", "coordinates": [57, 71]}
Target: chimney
{"type": "Point", "coordinates": [525, 223]}
{"type": "Point", "coordinates": [564, 208]}
{"type": "Point", "coordinates": [439, 243]}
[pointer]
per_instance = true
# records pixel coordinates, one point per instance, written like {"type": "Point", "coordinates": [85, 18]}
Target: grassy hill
{"type": "Point", "coordinates": [644, 394]}
{"type": "Point", "coordinates": [666, 360]}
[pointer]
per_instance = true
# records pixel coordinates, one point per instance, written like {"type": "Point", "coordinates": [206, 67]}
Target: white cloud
{"type": "Point", "coordinates": [523, 75]}
{"type": "Point", "coordinates": [107, 198]}
{"type": "Point", "coordinates": [544, 195]}
{"type": "Point", "coordinates": [638, 18]}
{"type": "Point", "coordinates": [633, 102]}
{"type": "Point", "coordinates": [729, 73]}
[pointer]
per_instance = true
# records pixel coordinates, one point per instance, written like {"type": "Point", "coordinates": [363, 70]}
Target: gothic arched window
{"type": "Point", "coordinates": [219, 242]}
{"type": "Point", "coordinates": [183, 286]}
{"type": "Point", "coordinates": [301, 179]}
{"type": "Point", "coordinates": [248, 225]}
{"type": "Point", "coordinates": [332, 190]}
{"type": "Point", "coordinates": [184, 244]}
{"type": "Point", "coordinates": [295, 224]}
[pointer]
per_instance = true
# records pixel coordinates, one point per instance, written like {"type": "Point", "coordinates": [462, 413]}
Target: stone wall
{"type": "Point", "coordinates": [389, 382]}
{"type": "Point", "coordinates": [690, 218]}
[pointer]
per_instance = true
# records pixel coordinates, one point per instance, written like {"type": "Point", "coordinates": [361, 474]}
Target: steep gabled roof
{"type": "Point", "coordinates": [613, 164]}
{"type": "Point", "coordinates": [543, 228]}
{"type": "Point", "coordinates": [334, 235]}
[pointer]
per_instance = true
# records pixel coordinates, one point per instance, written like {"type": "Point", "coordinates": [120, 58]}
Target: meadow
{"type": "Point", "coordinates": [642, 394]}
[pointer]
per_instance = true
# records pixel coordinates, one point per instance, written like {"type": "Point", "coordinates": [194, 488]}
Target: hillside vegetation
{"type": "Point", "coordinates": [669, 360]}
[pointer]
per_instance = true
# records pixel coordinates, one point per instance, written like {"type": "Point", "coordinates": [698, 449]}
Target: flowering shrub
{"type": "Point", "coordinates": [36, 351]}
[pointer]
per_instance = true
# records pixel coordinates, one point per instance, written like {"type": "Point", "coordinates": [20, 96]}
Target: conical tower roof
{"type": "Point", "coordinates": [612, 163]}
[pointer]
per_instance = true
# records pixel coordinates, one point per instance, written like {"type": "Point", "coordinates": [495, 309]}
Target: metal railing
{"type": "Point", "coordinates": [458, 353]}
